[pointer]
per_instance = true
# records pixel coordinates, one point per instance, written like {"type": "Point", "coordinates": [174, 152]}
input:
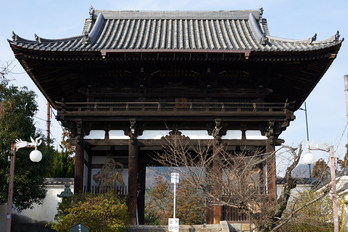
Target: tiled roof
{"type": "Point", "coordinates": [59, 181]}
{"type": "Point", "coordinates": [181, 30]}
{"type": "Point", "coordinates": [307, 181]}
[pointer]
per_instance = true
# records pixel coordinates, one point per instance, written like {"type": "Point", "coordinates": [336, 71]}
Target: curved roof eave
{"type": "Point", "coordinates": [248, 35]}
{"type": "Point", "coordinates": [331, 40]}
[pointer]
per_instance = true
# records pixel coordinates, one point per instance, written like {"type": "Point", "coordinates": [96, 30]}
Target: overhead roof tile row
{"type": "Point", "coordinates": [189, 30]}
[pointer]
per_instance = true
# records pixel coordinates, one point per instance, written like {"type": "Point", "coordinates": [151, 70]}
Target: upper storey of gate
{"type": "Point", "coordinates": [178, 30]}
{"type": "Point", "coordinates": [170, 56]}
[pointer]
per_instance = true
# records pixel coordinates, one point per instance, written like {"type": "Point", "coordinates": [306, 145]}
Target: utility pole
{"type": "Point", "coordinates": [346, 90]}
{"type": "Point", "coordinates": [48, 123]}
{"type": "Point", "coordinates": [333, 188]}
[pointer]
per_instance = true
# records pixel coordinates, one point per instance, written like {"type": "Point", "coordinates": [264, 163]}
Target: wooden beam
{"type": "Point", "coordinates": [142, 143]}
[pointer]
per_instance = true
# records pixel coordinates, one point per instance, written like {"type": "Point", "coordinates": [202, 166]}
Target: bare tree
{"type": "Point", "coordinates": [233, 179]}
{"type": "Point", "coordinates": [5, 69]}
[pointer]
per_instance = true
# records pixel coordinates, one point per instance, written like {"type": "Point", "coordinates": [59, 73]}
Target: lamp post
{"type": "Point", "coordinates": [35, 156]}
{"type": "Point", "coordinates": [330, 150]}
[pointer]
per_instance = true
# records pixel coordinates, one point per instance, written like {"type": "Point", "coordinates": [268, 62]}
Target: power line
{"type": "Point", "coordinates": [339, 142]}
{"type": "Point", "coordinates": [40, 119]}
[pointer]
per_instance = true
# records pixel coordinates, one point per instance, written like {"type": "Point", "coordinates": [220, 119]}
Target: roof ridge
{"type": "Point", "coordinates": [43, 40]}
{"type": "Point", "coordinates": [180, 14]}
{"type": "Point", "coordinates": [90, 37]}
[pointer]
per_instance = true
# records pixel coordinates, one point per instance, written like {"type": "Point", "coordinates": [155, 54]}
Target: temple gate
{"type": "Point", "coordinates": [184, 70]}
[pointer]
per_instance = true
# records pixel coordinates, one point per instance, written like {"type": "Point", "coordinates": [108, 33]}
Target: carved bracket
{"type": "Point", "coordinates": [273, 131]}
{"type": "Point", "coordinates": [133, 132]}
{"type": "Point", "coordinates": [80, 132]}
{"type": "Point", "coordinates": [174, 134]}
{"type": "Point", "coordinates": [217, 131]}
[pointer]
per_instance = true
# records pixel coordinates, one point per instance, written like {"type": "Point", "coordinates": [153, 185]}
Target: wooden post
{"type": "Point", "coordinates": [217, 172]}
{"type": "Point", "coordinates": [141, 195]}
{"type": "Point", "coordinates": [10, 188]}
{"type": "Point", "coordinates": [209, 202]}
{"type": "Point", "coordinates": [79, 165]}
{"type": "Point", "coordinates": [261, 177]}
{"type": "Point", "coordinates": [89, 173]}
{"type": "Point", "coordinates": [208, 213]}
{"type": "Point", "coordinates": [132, 180]}
{"type": "Point", "coordinates": [271, 169]}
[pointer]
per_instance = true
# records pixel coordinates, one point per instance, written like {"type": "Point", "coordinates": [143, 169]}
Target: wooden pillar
{"type": "Point", "coordinates": [208, 213]}
{"type": "Point", "coordinates": [214, 175]}
{"type": "Point", "coordinates": [89, 175]}
{"type": "Point", "coordinates": [79, 164]}
{"type": "Point", "coordinates": [261, 177]}
{"type": "Point", "coordinates": [271, 169]}
{"type": "Point", "coordinates": [132, 180]}
{"type": "Point", "coordinates": [141, 195]}
{"type": "Point", "coordinates": [209, 202]}
{"type": "Point", "coordinates": [217, 172]}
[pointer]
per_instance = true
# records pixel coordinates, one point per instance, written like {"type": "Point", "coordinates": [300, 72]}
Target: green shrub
{"type": "Point", "coordinates": [303, 227]}
{"type": "Point", "coordinates": [151, 218]}
{"type": "Point", "coordinates": [315, 217]}
{"type": "Point", "coordinates": [104, 212]}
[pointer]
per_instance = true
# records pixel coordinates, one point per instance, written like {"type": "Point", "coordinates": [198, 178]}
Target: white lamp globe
{"type": "Point", "coordinates": [308, 158]}
{"type": "Point", "coordinates": [35, 156]}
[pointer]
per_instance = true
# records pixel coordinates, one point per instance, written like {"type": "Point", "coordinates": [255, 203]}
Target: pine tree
{"type": "Point", "coordinates": [159, 200]}
{"type": "Point", "coordinates": [190, 204]}
{"type": "Point", "coordinates": [344, 163]}
{"type": "Point", "coordinates": [63, 165]}
{"type": "Point", "coordinates": [190, 207]}
{"type": "Point", "coordinates": [321, 170]}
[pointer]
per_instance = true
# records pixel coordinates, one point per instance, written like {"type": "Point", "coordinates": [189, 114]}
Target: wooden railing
{"type": "Point", "coordinates": [174, 106]}
{"type": "Point", "coordinates": [119, 190]}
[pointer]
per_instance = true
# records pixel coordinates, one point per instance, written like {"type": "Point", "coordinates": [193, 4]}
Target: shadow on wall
{"type": "Point", "coordinates": [29, 227]}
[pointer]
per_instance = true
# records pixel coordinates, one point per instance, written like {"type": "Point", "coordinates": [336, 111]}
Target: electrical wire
{"type": "Point", "coordinates": [340, 140]}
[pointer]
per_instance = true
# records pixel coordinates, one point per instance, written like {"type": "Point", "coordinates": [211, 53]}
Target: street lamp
{"type": "Point", "coordinates": [35, 156]}
{"type": "Point", "coordinates": [309, 158]}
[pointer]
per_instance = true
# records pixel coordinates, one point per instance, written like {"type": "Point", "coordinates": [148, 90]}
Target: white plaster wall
{"type": "Point", "coordinates": [39, 213]}
{"type": "Point", "coordinates": [157, 134]}
{"type": "Point", "coordinates": [299, 188]}
{"type": "Point", "coordinates": [48, 209]}
{"type": "Point", "coordinates": [98, 159]}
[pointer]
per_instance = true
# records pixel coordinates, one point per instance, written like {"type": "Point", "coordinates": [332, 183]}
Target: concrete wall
{"type": "Point", "coordinates": [222, 227]}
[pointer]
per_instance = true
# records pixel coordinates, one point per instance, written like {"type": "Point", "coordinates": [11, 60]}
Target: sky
{"type": "Point", "coordinates": [295, 19]}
